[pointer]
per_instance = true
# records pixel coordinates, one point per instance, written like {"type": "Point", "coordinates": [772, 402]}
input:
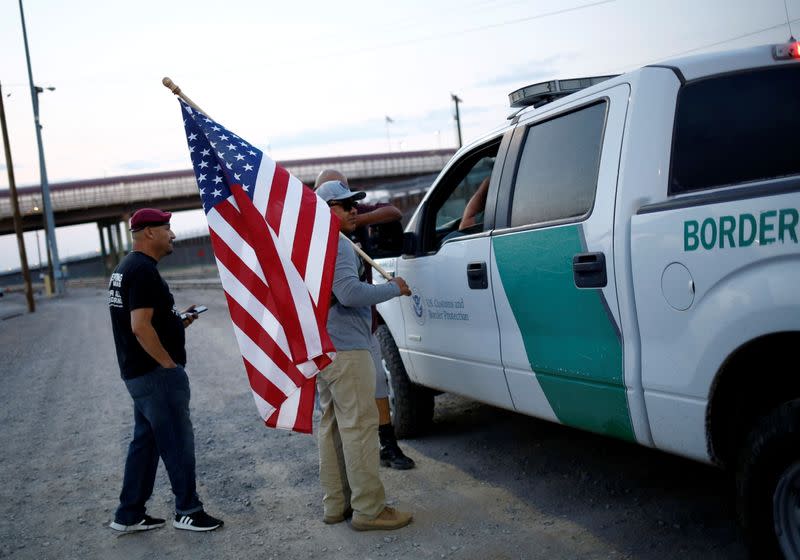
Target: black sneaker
{"type": "Point", "coordinates": [197, 521]}
{"type": "Point", "coordinates": [144, 525]}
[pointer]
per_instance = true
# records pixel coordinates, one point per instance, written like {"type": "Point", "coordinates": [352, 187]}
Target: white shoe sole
{"type": "Point", "coordinates": [187, 527]}
{"type": "Point", "coordinates": [133, 528]}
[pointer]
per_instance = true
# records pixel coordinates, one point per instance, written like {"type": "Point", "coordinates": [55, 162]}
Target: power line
{"type": "Point", "coordinates": [437, 10]}
{"type": "Point", "coordinates": [789, 23]}
{"type": "Point", "coordinates": [468, 30]}
{"type": "Point", "coordinates": [716, 44]}
{"type": "Point", "coordinates": [530, 18]}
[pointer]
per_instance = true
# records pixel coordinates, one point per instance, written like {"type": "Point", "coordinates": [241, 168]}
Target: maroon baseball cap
{"type": "Point", "coordinates": [149, 217]}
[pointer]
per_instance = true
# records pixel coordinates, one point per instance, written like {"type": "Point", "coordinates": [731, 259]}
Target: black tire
{"type": "Point", "coordinates": [768, 484]}
{"type": "Point", "coordinates": [411, 404]}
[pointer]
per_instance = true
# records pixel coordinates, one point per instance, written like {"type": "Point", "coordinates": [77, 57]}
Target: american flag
{"type": "Point", "coordinates": [275, 244]}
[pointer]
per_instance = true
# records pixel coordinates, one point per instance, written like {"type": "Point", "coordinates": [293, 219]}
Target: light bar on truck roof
{"type": "Point", "coordinates": [545, 92]}
{"type": "Point", "coordinates": [786, 51]}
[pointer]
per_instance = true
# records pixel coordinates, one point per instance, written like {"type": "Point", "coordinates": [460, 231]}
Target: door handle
{"type": "Point", "coordinates": [476, 275]}
{"type": "Point", "coordinates": [589, 270]}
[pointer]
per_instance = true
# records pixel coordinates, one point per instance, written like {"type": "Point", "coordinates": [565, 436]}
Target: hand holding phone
{"type": "Point", "coordinates": [194, 311]}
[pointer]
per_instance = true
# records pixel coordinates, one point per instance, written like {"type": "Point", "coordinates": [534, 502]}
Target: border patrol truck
{"type": "Point", "coordinates": [622, 256]}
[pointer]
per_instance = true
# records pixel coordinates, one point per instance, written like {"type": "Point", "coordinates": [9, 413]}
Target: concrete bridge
{"type": "Point", "coordinates": [109, 201]}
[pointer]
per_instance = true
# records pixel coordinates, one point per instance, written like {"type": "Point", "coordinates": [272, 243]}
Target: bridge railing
{"type": "Point", "coordinates": [97, 193]}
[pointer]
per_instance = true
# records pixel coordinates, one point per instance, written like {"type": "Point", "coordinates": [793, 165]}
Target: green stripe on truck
{"type": "Point", "coordinates": [570, 340]}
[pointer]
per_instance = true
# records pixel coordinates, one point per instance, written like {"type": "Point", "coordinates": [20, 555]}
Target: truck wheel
{"type": "Point", "coordinates": [411, 404]}
{"type": "Point", "coordinates": [768, 484]}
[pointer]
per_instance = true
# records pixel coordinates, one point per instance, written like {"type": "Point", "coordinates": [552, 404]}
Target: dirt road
{"type": "Point", "coordinates": [489, 483]}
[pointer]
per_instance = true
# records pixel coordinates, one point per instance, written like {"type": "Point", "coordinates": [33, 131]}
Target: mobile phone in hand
{"type": "Point", "coordinates": [198, 309]}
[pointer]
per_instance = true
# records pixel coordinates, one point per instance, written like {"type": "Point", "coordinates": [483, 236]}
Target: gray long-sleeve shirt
{"type": "Point", "coordinates": [350, 318]}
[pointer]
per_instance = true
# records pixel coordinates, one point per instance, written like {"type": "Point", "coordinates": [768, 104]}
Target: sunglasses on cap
{"type": "Point", "coordinates": [347, 204]}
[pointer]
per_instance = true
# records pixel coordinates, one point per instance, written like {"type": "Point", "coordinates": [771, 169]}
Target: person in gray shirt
{"type": "Point", "coordinates": [348, 429]}
{"type": "Point", "coordinates": [372, 215]}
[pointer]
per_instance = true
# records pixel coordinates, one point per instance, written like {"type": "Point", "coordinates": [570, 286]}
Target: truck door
{"type": "Point", "coordinates": [451, 331]}
{"type": "Point", "coordinates": [553, 275]}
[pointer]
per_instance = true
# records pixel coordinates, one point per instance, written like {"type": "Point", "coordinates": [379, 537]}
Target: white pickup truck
{"type": "Point", "coordinates": [624, 259]}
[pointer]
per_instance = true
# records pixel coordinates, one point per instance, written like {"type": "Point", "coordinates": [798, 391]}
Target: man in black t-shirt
{"type": "Point", "coordinates": [149, 339]}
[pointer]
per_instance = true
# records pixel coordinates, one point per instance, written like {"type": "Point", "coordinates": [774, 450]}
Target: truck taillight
{"type": "Point", "coordinates": [786, 51]}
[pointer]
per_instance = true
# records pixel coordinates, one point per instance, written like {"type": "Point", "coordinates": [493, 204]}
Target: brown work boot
{"type": "Point", "coordinates": [386, 520]}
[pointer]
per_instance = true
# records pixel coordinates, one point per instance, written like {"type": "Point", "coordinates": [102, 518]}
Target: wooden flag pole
{"type": "Point", "coordinates": [367, 258]}
{"type": "Point", "coordinates": [173, 87]}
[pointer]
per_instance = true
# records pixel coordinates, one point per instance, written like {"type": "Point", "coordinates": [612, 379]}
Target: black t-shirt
{"type": "Point", "coordinates": [136, 284]}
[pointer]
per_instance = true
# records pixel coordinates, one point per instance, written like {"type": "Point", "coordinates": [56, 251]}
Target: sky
{"type": "Point", "coordinates": [314, 78]}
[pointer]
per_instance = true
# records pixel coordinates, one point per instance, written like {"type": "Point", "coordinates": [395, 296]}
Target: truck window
{"type": "Point", "coordinates": [457, 205]}
{"type": "Point", "coordinates": [736, 128]}
{"type": "Point", "coordinates": [557, 174]}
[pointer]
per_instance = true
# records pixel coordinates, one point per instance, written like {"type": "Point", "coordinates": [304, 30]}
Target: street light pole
{"type": "Point", "coordinates": [49, 219]}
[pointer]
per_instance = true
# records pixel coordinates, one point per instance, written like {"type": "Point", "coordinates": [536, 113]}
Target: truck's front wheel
{"type": "Point", "coordinates": [768, 484]}
{"type": "Point", "coordinates": [411, 404]}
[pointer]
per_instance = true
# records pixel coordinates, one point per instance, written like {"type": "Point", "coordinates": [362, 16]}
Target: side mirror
{"type": "Point", "coordinates": [384, 240]}
{"type": "Point", "coordinates": [410, 245]}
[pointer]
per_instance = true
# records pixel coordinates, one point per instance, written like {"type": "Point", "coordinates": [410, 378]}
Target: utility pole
{"type": "Point", "coordinates": [456, 100]}
{"type": "Point", "coordinates": [12, 185]}
{"type": "Point", "coordinates": [49, 219]}
{"type": "Point", "coordinates": [389, 120]}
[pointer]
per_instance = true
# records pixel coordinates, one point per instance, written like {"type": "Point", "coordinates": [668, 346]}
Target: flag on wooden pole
{"type": "Point", "coordinates": [275, 244]}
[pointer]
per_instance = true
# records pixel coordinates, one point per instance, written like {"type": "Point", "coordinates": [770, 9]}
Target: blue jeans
{"type": "Point", "coordinates": [162, 428]}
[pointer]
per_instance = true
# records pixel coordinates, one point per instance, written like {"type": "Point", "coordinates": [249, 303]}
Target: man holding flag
{"type": "Point", "coordinates": [348, 438]}
{"type": "Point", "coordinates": [371, 215]}
{"type": "Point", "coordinates": [276, 245]}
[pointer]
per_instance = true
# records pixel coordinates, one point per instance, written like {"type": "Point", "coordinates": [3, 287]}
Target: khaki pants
{"type": "Point", "coordinates": [348, 436]}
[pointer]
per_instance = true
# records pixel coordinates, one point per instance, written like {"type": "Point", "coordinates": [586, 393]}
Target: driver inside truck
{"type": "Point", "coordinates": [473, 211]}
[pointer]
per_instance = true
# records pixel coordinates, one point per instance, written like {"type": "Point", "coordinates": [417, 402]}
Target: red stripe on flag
{"type": "Point", "coordinates": [305, 410]}
{"type": "Point", "coordinates": [323, 361]}
{"type": "Point", "coordinates": [327, 278]}
{"type": "Point", "coordinates": [277, 196]}
{"type": "Point", "coordinates": [305, 228]}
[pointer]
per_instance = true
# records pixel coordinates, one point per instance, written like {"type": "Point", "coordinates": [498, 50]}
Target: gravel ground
{"type": "Point", "coordinates": [488, 483]}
